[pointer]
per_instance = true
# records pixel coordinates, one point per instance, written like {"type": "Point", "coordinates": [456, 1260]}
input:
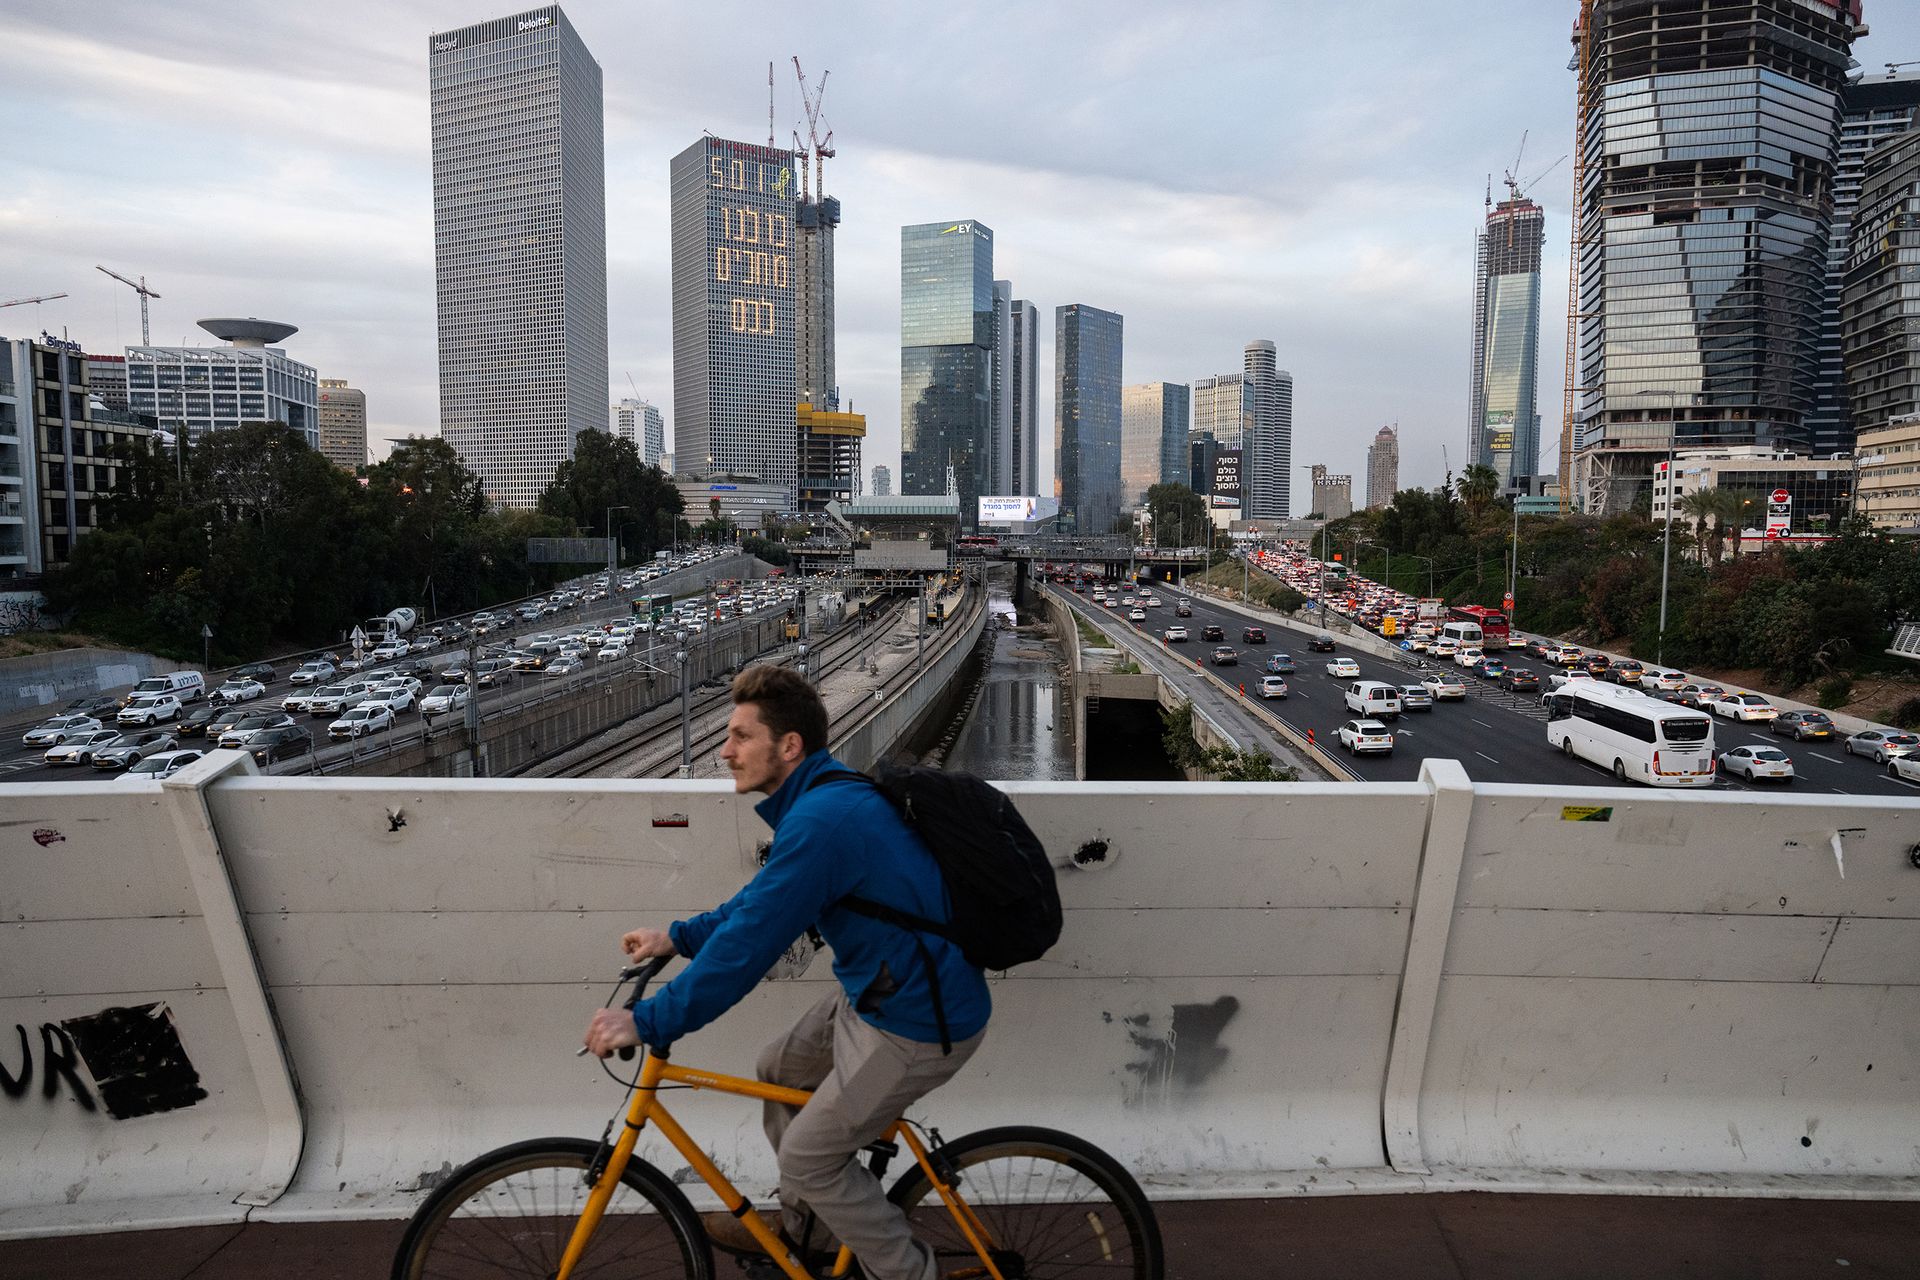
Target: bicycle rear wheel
{"type": "Point", "coordinates": [1055, 1206]}
{"type": "Point", "coordinates": [509, 1214]}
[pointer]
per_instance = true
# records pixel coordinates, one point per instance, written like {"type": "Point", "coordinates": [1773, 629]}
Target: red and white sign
{"type": "Point", "coordinates": [1781, 497]}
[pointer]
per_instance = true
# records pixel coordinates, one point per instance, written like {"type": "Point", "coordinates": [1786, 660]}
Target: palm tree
{"type": "Point", "coordinates": [1699, 507]}
{"type": "Point", "coordinates": [1728, 509]}
{"type": "Point", "coordinates": [1478, 486]}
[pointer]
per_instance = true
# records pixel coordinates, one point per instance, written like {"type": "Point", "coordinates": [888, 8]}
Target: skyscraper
{"type": "Point", "coordinates": [1872, 111]}
{"type": "Point", "coordinates": [1503, 421]}
{"type": "Point", "coordinates": [1882, 315]}
{"type": "Point", "coordinates": [1383, 468]}
{"type": "Point", "coordinates": [1023, 394]}
{"type": "Point", "coordinates": [343, 424]}
{"type": "Point", "coordinates": [814, 222]}
{"type": "Point", "coordinates": [1223, 409]}
{"type": "Point", "coordinates": [1703, 226]}
{"type": "Point", "coordinates": [1268, 451]}
{"type": "Point", "coordinates": [735, 375]}
{"type": "Point", "coordinates": [1000, 446]}
{"type": "Point", "coordinates": [882, 481]}
{"type": "Point", "coordinates": [946, 359]}
{"type": "Point", "coordinates": [1086, 416]}
{"type": "Point", "coordinates": [520, 259]}
{"type": "Point", "coordinates": [1153, 438]}
{"type": "Point", "coordinates": [640, 422]}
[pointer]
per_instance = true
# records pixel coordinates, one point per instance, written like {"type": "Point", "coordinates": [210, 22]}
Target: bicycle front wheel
{"type": "Point", "coordinates": [1053, 1205]}
{"type": "Point", "coordinates": [509, 1214]}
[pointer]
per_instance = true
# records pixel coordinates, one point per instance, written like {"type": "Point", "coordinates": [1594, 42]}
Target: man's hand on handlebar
{"type": "Point", "coordinates": [646, 944]}
{"type": "Point", "coordinates": [610, 1031]}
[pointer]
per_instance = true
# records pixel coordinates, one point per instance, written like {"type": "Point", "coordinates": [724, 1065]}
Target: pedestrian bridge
{"type": "Point", "coordinates": [244, 997]}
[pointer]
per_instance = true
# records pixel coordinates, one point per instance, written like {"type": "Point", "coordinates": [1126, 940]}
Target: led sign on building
{"type": "Point", "coordinates": [754, 252]}
{"type": "Point", "coordinates": [1226, 480]}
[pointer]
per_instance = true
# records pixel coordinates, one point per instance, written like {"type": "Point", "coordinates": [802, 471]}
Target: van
{"type": "Point", "coordinates": [1374, 698]}
{"type": "Point", "coordinates": [1463, 634]}
{"type": "Point", "coordinates": [188, 686]}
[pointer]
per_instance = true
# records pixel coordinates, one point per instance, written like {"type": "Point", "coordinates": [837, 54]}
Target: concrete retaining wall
{"type": "Point", "coordinates": [39, 680]}
{"type": "Point", "coordinates": [313, 996]}
{"type": "Point", "coordinates": [868, 743]}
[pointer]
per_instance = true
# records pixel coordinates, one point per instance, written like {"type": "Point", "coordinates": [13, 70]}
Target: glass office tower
{"type": "Point", "coordinates": [1023, 394]}
{"type": "Point", "coordinates": [1153, 439]}
{"type": "Point", "coordinates": [1086, 416]}
{"type": "Point", "coordinates": [1503, 420]}
{"type": "Point", "coordinates": [519, 240]}
{"type": "Point", "coordinates": [1268, 453]}
{"type": "Point", "coordinates": [946, 359]}
{"type": "Point", "coordinates": [735, 376]}
{"type": "Point", "coordinates": [1708, 138]}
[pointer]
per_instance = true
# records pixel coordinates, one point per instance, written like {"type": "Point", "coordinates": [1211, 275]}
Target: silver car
{"type": "Point", "coordinates": [131, 748]}
{"type": "Point", "coordinates": [1883, 745]}
{"type": "Point", "coordinates": [164, 765]}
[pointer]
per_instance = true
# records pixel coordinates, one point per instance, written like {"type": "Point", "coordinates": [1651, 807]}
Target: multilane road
{"type": "Point", "coordinates": [1498, 736]}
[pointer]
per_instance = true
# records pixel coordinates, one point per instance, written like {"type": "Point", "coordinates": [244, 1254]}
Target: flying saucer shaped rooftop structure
{"type": "Point", "coordinates": [249, 332]}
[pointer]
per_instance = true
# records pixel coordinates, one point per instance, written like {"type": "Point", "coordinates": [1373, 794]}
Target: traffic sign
{"type": "Point", "coordinates": [1781, 496]}
{"type": "Point", "coordinates": [1507, 600]}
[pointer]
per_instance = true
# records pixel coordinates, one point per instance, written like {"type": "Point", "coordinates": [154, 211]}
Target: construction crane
{"type": "Point", "coordinates": [21, 302]}
{"type": "Point", "coordinates": [819, 148]}
{"type": "Point", "coordinates": [146, 336]}
{"type": "Point", "coordinates": [1583, 100]}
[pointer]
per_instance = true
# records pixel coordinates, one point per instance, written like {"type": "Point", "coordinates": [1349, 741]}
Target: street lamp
{"type": "Point", "coordinates": [1429, 559]}
{"type": "Point", "coordinates": [686, 711]}
{"type": "Point", "coordinates": [1666, 536]}
{"type": "Point", "coordinates": [613, 555]}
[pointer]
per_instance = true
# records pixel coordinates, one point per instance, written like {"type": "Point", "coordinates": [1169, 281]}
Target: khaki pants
{"type": "Point", "coordinates": [863, 1080]}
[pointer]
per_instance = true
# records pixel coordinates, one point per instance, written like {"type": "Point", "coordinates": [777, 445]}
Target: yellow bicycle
{"type": "Point", "coordinates": [1016, 1203]}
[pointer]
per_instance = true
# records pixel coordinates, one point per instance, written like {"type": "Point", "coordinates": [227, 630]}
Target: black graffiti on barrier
{"type": "Point", "coordinates": [58, 1059]}
{"type": "Point", "coordinates": [132, 1055]}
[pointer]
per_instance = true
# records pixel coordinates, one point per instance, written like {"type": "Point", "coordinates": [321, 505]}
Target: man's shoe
{"type": "Point", "coordinates": [730, 1233]}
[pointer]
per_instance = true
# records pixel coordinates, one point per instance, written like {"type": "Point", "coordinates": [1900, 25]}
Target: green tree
{"type": "Point", "coordinates": [1479, 487]}
{"type": "Point", "coordinates": [1178, 515]}
{"type": "Point", "coordinates": [605, 472]}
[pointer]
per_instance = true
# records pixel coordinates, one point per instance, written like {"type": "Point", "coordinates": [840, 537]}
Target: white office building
{"type": "Point", "coordinates": [193, 390]}
{"type": "Point", "coordinates": [640, 422]}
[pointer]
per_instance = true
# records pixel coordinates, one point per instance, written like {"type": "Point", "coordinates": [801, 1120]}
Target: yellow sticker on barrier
{"type": "Point", "coordinates": [1586, 813]}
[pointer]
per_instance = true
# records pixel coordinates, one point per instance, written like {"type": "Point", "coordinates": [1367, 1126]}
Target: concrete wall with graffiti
{"type": "Point", "coordinates": [230, 995]}
{"type": "Point", "coordinates": [51, 680]}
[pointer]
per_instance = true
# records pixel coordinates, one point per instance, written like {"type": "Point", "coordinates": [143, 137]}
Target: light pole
{"type": "Point", "coordinates": [686, 712]}
{"type": "Point", "coordinates": [613, 555]}
{"type": "Point", "coordinates": [1513, 567]}
{"type": "Point", "coordinates": [1666, 536]}
{"type": "Point", "coordinates": [1429, 559]}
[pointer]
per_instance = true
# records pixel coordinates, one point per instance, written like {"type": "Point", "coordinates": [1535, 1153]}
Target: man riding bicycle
{"type": "Point", "coordinates": [871, 1048]}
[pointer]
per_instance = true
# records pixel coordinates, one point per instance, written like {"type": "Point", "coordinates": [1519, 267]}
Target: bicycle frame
{"type": "Point", "coordinates": [655, 1071]}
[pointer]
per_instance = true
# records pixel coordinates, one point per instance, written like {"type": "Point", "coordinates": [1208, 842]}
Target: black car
{"type": "Point", "coordinates": [1521, 680]}
{"type": "Point", "coordinates": [1183, 610]}
{"type": "Point", "coordinates": [279, 744]}
{"type": "Point", "coordinates": [225, 720]}
{"type": "Point", "coordinates": [195, 724]}
{"type": "Point", "coordinates": [1536, 647]}
{"type": "Point", "coordinates": [418, 668]}
{"type": "Point", "coordinates": [1801, 725]}
{"type": "Point", "coordinates": [261, 671]}
{"type": "Point", "coordinates": [1224, 656]}
{"type": "Point", "coordinates": [1253, 635]}
{"type": "Point", "coordinates": [1211, 632]}
{"type": "Point", "coordinates": [1322, 643]}
{"type": "Point", "coordinates": [101, 709]}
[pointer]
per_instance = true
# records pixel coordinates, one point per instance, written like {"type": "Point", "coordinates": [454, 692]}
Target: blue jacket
{"type": "Point", "coordinates": [842, 838]}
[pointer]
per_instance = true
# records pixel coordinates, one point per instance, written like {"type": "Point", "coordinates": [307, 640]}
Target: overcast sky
{"type": "Point", "coordinates": [1305, 172]}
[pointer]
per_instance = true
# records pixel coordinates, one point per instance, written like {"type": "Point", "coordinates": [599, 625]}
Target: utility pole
{"type": "Point", "coordinates": [1666, 536]}
{"type": "Point", "coordinates": [920, 639]}
{"type": "Point", "coordinates": [613, 554]}
{"type": "Point", "coordinates": [686, 711]}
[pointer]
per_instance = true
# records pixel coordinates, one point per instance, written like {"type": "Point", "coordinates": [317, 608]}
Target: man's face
{"type": "Point", "coordinates": [759, 761]}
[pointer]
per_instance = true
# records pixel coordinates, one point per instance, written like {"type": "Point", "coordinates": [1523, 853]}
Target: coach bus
{"type": "Point", "coordinates": [977, 544]}
{"type": "Point", "coordinates": [1639, 738]}
{"type": "Point", "coordinates": [1492, 624]}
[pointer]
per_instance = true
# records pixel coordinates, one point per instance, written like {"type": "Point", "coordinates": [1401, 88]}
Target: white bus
{"type": "Point", "coordinates": [1640, 738]}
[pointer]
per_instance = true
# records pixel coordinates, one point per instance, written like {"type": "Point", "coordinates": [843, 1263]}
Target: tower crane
{"type": "Point", "coordinates": [820, 148]}
{"type": "Point", "coordinates": [21, 302]}
{"type": "Point", "coordinates": [146, 337]}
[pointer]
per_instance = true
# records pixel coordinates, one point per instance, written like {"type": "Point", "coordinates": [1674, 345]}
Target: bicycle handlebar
{"type": "Point", "coordinates": [640, 975]}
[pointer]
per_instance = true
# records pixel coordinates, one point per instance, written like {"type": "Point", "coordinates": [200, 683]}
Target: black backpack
{"type": "Point", "coordinates": [1006, 906]}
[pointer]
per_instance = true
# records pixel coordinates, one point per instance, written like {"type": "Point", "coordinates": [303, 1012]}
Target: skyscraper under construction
{"type": "Point", "coordinates": [1707, 137]}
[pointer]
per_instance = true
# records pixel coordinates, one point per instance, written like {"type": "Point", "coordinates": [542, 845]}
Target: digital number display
{"type": "Point", "coordinates": [755, 253]}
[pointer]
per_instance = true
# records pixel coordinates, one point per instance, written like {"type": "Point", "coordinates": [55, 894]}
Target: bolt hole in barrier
{"type": "Point", "coordinates": [1278, 987]}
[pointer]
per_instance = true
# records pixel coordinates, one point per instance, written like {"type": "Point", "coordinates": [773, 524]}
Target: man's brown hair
{"type": "Point", "coordinates": [787, 703]}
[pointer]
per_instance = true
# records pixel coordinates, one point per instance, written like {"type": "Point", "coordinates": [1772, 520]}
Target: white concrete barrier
{"type": "Point", "coordinates": [1260, 989]}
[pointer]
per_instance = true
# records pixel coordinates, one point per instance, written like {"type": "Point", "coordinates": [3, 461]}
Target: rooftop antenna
{"type": "Point", "coordinates": [769, 106]}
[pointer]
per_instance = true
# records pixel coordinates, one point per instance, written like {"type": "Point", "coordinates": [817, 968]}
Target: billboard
{"type": "Point", "coordinates": [1017, 509]}
{"type": "Point", "coordinates": [1499, 430]}
{"type": "Point", "coordinates": [1225, 491]}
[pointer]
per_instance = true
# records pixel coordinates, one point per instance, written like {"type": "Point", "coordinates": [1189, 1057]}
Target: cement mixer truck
{"type": "Point", "coordinates": [391, 627]}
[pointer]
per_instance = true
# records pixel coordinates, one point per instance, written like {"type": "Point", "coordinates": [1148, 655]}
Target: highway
{"type": "Point", "coordinates": [1497, 736]}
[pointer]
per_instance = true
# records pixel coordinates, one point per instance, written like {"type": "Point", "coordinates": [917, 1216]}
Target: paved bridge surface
{"type": "Point", "coordinates": [1455, 1236]}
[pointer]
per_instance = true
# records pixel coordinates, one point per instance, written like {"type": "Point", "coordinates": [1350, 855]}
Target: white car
{"type": "Point", "coordinates": [314, 672]}
{"type": "Point", "coordinates": [444, 698]}
{"type": "Point", "coordinates": [1444, 687]}
{"type": "Point", "coordinates": [611, 651]}
{"type": "Point", "coordinates": [335, 698]}
{"type": "Point", "coordinates": [78, 748]}
{"type": "Point", "coordinates": [1137, 615]}
{"type": "Point", "coordinates": [387, 650]}
{"type": "Point", "coordinates": [391, 694]}
{"type": "Point", "coordinates": [1742, 706]}
{"type": "Point", "coordinates": [1468, 657]}
{"type": "Point", "coordinates": [1444, 648]}
{"type": "Point", "coordinates": [564, 665]}
{"type": "Point", "coordinates": [1366, 735]}
{"type": "Point", "coordinates": [150, 710]}
{"type": "Point", "coordinates": [54, 731]}
{"type": "Point", "coordinates": [1176, 635]}
{"type": "Point", "coordinates": [239, 690]}
{"type": "Point", "coordinates": [1904, 767]}
{"type": "Point", "coordinates": [363, 719]}
{"type": "Point", "coordinates": [1344, 667]}
{"type": "Point", "coordinates": [1273, 686]}
{"type": "Point", "coordinates": [164, 765]}
{"type": "Point", "coordinates": [1757, 762]}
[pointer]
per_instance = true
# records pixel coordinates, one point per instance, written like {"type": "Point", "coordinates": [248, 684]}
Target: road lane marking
{"type": "Point", "coordinates": [1482, 723]}
{"type": "Point", "coordinates": [1484, 756]}
{"type": "Point", "coordinates": [1830, 760]}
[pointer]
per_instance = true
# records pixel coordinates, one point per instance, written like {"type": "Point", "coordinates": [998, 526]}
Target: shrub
{"type": "Point", "coordinates": [1904, 715]}
{"type": "Point", "coordinates": [1834, 692]}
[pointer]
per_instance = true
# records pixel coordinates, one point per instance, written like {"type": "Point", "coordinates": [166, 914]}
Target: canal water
{"type": "Point", "coordinates": [1020, 727]}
